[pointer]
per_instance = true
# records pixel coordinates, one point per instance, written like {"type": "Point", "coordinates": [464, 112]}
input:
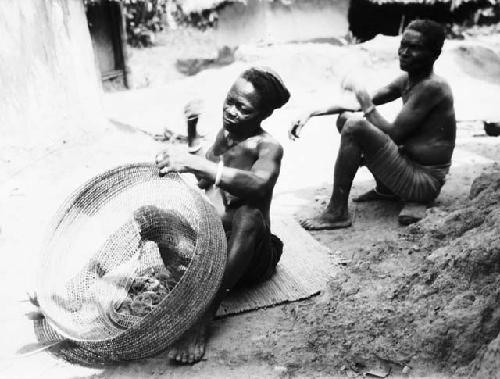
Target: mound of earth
{"type": "Point", "coordinates": [478, 61]}
{"type": "Point", "coordinates": [425, 302]}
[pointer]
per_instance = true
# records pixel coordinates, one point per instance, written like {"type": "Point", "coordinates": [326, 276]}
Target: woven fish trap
{"type": "Point", "coordinates": [118, 226]}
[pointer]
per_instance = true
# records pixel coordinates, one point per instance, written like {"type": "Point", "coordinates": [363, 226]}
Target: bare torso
{"type": "Point", "coordinates": [433, 142]}
{"type": "Point", "coordinates": [240, 155]}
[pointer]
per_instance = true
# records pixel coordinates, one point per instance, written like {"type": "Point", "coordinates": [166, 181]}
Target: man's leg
{"type": "Point", "coordinates": [248, 226]}
{"type": "Point", "coordinates": [382, 188]}
{"type": "Point", "coordinates": [358, 137]}
{"type": "Point", "coordinates": [381, 192]}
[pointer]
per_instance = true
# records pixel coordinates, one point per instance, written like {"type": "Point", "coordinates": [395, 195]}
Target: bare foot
{"type": "Point", "coordinates": [411, 213]}
{"type": "Point", "coordinates": [326, 221]}
{"type": "Point", "coordinates": [374, 195]}
{"type": "Point", "coordinates": [190, 348]}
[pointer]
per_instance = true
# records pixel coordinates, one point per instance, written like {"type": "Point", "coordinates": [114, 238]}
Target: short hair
{"type": "Point", "coordinates": [269, 85]}
{"type": "Point", "coordinates": [433, 33]}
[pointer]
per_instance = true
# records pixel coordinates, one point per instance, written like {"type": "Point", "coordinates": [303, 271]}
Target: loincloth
{"type": "Point", "coordinates": [267, 254]}
{"type": "Point", "coordinates": [405, 178]}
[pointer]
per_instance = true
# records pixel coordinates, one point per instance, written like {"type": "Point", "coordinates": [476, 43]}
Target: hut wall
{"type": "Point", "coordinates": [367, 19]}
{"type": "Point", "coordinates": [50, 88]}
{"type": "Point", "coordinates": [471, 13]}
{"type": "Point", "coordinates": [277, 21]}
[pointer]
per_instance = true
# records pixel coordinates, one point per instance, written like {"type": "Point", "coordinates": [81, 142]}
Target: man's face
{"type": "Point", "coordinates": [241, 108]}
{"type": "Point", "coordinates": [414, 55]}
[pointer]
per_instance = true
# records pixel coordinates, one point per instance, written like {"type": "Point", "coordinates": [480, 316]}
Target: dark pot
{"type": "Point", "coordinates": [492, 128]}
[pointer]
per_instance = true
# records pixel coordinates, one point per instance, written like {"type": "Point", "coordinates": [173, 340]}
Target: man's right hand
{"type": "Point", "coordinates": [204, 184]}
{"type": "Point", "coordinates": [297, 125]}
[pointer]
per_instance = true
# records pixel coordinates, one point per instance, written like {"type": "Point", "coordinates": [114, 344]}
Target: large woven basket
{"type": "Point", "coordinates": [91, 255]}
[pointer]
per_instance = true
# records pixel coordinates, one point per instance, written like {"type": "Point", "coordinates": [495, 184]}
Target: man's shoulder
{"type": "Point", "coordinates": [435, 86]}
{"type": "Point", "coordinates": [269, 142]}
{"type": "Point", "coordinates": [401, 79]}
{"type": "Point", "coordinates": [437, 83]}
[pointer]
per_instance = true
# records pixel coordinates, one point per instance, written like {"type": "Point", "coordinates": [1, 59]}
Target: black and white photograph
{"type": "Point", "coordinates": [249, 189]}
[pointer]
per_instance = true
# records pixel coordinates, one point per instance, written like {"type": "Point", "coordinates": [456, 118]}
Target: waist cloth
{"type": "Point", "coordinates": [267, 254]}
{"type": "Point", "coordinates": [407, 179]}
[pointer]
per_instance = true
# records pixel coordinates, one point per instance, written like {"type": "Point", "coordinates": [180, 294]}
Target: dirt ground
{"type": "Point", "coordinates": [382, 314]}
{"type": "Point", "coordinates": [407, 301]}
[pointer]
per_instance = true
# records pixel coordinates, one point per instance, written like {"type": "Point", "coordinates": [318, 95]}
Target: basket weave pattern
{"type": "Point", "coordinates": [94, 249]}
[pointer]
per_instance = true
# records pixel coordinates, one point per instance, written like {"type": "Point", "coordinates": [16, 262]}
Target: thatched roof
{"type": "Point", "coordinates": [383, 2]}
{"type": "Point", "coordinates": [454, 3]}
{"type": "Point", "coordinates": [193, 6]}
{"type": "Point", "coordinates": [188, 6]}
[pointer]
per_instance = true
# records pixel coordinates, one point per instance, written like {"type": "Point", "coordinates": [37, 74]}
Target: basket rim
{"type": "Point", "coordinates": [204, 269]}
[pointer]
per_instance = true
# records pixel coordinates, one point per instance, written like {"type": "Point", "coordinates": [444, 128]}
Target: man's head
{"type": "Point", "coordinates": [421, 45]}
{"type": "Point", "coordinates": [252, 98]}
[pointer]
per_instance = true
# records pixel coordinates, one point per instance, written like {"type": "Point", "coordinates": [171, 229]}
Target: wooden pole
{"type": "Point", "coordinates": [122, 42]}
{"type": "Point", "coordinates": [402, 24]}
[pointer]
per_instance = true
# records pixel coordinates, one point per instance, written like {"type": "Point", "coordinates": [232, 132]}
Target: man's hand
{"type": "Point", "coordinates": [364, 98]}
{"type": "Point", "coordinates": [350, 83]}
{"type": "Point", "coordinates": [205, 184]}
{"type": "Point", "coordinates": [297, 125]}
{"type": "Point", "coordinates": [175, 160]}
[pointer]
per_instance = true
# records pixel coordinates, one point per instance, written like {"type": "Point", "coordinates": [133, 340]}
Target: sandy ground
{"type": "Point", "coordinates": [288, 340]}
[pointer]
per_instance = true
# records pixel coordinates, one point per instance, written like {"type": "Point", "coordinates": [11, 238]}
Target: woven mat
{"type": "Point", "coordinates": [303, 271]}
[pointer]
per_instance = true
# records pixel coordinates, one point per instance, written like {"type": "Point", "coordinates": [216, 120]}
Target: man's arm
{"type": "Point", "coordinates": [386, 94]}
{"type": "Point", "coordinates": [256, 183]}
{"type": "Point", "coordinates": [326, 110]}
{"type": "Point", "coordinates": [332, 109]}
{"type": "Point", "coordinates": [390, 92]}
{"type": "Point", "coordinates": [249, 184]}
{"type": "Point", "coordinates": [204, 183]}
{"type": "Point", "coordinates": [426, 95]}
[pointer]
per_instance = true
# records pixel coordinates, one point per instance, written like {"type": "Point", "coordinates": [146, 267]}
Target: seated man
{"type": "Point", "coordinates": [243, 164]}
{"type": "Point", "coordinates": [410, 156]}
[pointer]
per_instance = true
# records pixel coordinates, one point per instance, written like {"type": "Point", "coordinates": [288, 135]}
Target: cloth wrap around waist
{"type": "Point", "coordinates": [405, 178]}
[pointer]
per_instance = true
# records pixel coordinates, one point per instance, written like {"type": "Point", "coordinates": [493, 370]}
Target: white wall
{"type": "Point", "coordinates": [297, 20]}
{"type": "Point", "coordinates": [50, 88]}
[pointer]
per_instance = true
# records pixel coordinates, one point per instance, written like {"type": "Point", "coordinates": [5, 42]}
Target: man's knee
{"type": "Point", "coordinates": [342, 119]}
{"type": "Point", "coordinates": [355, 127]}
